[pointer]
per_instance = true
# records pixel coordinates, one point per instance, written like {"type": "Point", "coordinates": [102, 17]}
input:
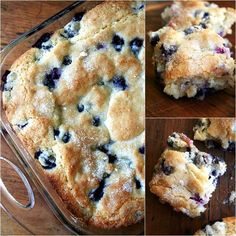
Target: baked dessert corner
{"type": "Point", "coordinates": [185, 177]}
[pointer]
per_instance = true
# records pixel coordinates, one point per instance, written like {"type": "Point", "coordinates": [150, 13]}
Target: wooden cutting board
{"type": "Point", "coordinates": [159, 104]}
{"type": "Point", "coordinates": [18, 17]}
{"type": "Point", "coordinates": [161, 218]}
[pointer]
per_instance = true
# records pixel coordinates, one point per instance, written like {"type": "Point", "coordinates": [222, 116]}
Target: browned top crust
{"type": "Point", "coordinates": [76, 101]}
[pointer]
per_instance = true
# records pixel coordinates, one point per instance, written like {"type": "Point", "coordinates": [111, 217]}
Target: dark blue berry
{"type": "Point", "coordinates": [96, 121]}
{"type": "Point", "coordinates": [136, 45]}
{"type": "Point", "coordinates": [137, 183]}
{"type": "Point", "coordinates": [50, 78]}
{"type": "Point", "coordinates": [216, 160]}
{"type": "Point", "coordinates": [206, 15]}
{"type": "Point", "coordinates": [78, 16]}
{"type": "Point", "coordinates": [117, 42]}
{"type": "Point", "coordinates": [166, 168]}
{"type": "Point", "coordinates": [37, 154]}
{"type": "Point", "coordinates": [96, 194]}
{"type": "Point", "coordinates": [4, 80]}
{"type": "Point", "coordinates": [100, 46]}
{"type": "Point", "coordinates": [69, 33]}
{"type": "Point", "coordinates": [119, 82]}
{"type": "Point", "coordinates": [203, 25]}
{"type": "Point", "coordinates": [170, 143]}
{"type": "Point", "coordinates": [66, 137]}
{"type": "Point", "coordinates": [111, 158]}
{"type": "Point", "coordinates": [47, 162]}
{"type": "Point", "coordinates": [168, 51]}
{"type": "Point", "coordinates": [66, 60]}
{"type": "Point", "coordinates": [231, 147]}
{"type": "Point", "coordinates": [56, 132]}
{"type": "Point", "coordinates": [188, 31]}
{"type": "Point", "coordinates": [44, 38]}
{"type": "Point", "coordinates": [22, 126]}
{"type": "Point", "coordinates": [103, 148]}
{"type": "Point", "coordinates": [155, 40]}
{"type": "Point", "coordinates": [201, 93]}
{"type": "Point", "coordinates": [142, 150]}
{"type": "Point", "coordinates": [197, 198]}
{"type": "Point", "coordinates": [214, 173]}
{"type": "Point", "coordinates": [80, 108]}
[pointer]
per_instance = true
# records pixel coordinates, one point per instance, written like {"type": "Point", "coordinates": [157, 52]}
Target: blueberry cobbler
{"type": "Point", "coordinates": [219, 133]}
{"type": "Point", "coordinates": [76, 100]}
{"type": "Point", "coordinates": [192, 62]}
{"type": "Point", "coordinates": [191, 56]}
{"type": "Point", "coordinates": [184, 14]}
{"type": "Point", "coordinates": [185, 177]}
{"type": "Point", "coordinates": [226, 227]}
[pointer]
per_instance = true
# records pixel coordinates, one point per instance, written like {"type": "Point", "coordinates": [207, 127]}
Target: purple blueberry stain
{"type": "Point", "coordinates": [196, 197]}
{"type": "Point", "coordinates": [66, 60]}
{"type": "Point", "coordinates": [100, 46]}
{"type": "Point", "coordinates": [51, 77]}
{"type": "Point", "coordinates": [167, 169]}
{"type": "Point", "coordinates": [96, 121]}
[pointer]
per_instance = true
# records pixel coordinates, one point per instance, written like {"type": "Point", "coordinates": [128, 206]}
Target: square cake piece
{"type": "Point", "coordinates": [185, 177]}
{"type": "Point", "coordinates": [216, 132]}
{"type": "Point", "coordinates": [220, 228]}
{"type": "Point", "coordinates": [192, 62]}
{"type": "Point", "coordinates": [184, 14]}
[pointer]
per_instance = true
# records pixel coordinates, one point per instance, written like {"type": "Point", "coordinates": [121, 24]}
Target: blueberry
{"type": "Point", "coordinates": [216, 160]}
{"type": "Point", "coordinates": [47, 162]}
{"type": "Point", "coordinates": [96, 121]}
{"type": "Point", "coordinates": [100, 46]}
{"type": "Point", "coordinates": [214, 173]}
{"type": "Point", "coordinates": [139, 7]}
{"type": "Point", "coordinates": [170, 143]}
{"type": "Point", "coordinates": [155, 40]}
{"type": "Point", "coordinates": [136, 45]}
{"type": "Point", "coordinates": [111, 158]}
{"type": "Point", "coordinates": [206, 15]}
{"type": "Point", "coordinates": [212, 144]}
{"type": "Point", "coordinates": [96, 194]}
{"type": "Point", "coordinates": [4, 80]}
{"type": "Point", "coordinates": [103, 148]}
{"type": "Point", "coordinates": [66, 137]}
{"type": "Point", "coordinates": [203, 25]}
{"type": "Point", "coordinates": [78, 16]}
{"type": "Point", "coordinates": [50, 78]}
{"type": "Point", "coordinates": [168, 51]}
{"type": "Point", "coordinates": [69, 33]}
{"type": "Point", "coordinates": [202, 92]}
{"type": "Point", "coordinates": [220, 50]}
{"type": "Point", "coordinates": [56, 132]}
{"type": "Point", "coordinates": [22, 126]}
{"type": "Point", "coordinates": [80, 108]}
{"type": "Point", "coordinates": [44, 38]}
{"type": "Point", "coordinates": [141, 150]}
{"type": "Point", "coordinates": [37, 154]}
{"type": "Point", "coordinates": [66, 60]}
{"type": "Point", "coordinates": [117, 42]}
{"type": "Point", "coordinates": [166, 168]}
{"type": "Point", "coordinates": [231, 147]}
{"type": "Point", "coordinates": [119, 82]}
{"type": "Point", "coordinates": [197, 198]}
{"type": "Point", "coordinates": [137, 183]}
{"type": "Point", "coordinates": [188, 31]}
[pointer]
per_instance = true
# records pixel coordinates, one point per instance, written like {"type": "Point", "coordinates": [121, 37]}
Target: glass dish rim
{"type": "Point", "coordinates": [20, 151]}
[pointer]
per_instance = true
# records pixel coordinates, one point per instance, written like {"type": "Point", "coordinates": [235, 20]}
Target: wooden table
{"type": "Point", "coordinates": [161, 218]}
{"type": "Point", "coordinates": [17, 18]}
{"type": "Point", "coordinates": [159, 104]}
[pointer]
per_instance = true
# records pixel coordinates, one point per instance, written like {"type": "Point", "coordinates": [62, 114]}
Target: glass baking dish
{"type": "Point", "coordinates": [8, 55]}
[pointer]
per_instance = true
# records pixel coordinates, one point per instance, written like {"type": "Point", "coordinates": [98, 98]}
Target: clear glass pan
{"type": "Point", "coordinates": [8, 55]}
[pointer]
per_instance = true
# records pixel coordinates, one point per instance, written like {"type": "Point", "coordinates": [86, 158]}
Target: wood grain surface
{"type": "Point", "coordinates": [18, 17]}
{"type": "Point", "coordinates": [161, 219]}
{"type": "Point", "coordinates": [159, 104]}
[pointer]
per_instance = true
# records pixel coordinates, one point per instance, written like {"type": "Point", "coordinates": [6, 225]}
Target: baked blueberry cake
{"type": "Point", "coordinates": [76, 100]}
{"type": "Point", "coordinates": [192, 62]}
{"type": "Point", "coordinates": [185, 14]}
{"type": "Point", "coordinates": [227, 227]}
{"type": "Point", "coordinates": [216, 132]}
{"type": "Point", "coordinates": [185, 177]}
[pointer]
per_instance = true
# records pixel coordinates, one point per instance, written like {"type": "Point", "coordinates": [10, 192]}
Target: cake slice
{"type": "Point", "coordinates": [192, 62]}
{"type": "Point", "coordinates": [185, 177]}
{"type": "Point", "coordinates": [220, 228]}
{"type": "Point", "coordinates": [216, 132]}
{"type": "Point", "coordinates": [184, 14]}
